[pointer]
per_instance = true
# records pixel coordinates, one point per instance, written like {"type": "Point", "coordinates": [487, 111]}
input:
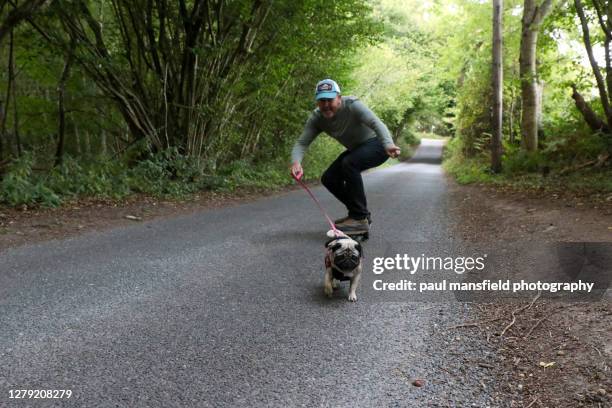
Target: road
{"type": "Point", "coordinates": [225, 307]}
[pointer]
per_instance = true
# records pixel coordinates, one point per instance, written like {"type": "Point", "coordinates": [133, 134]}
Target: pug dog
{"type": "Point", "coordinates": [342, 262]}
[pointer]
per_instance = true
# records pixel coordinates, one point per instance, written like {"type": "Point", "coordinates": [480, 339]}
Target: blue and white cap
{"type": "Point", "coordinates": [327, 89]}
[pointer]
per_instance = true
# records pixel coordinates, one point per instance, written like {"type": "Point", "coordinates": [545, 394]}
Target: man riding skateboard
{"type": "Point", "coordinates": [368, 144]}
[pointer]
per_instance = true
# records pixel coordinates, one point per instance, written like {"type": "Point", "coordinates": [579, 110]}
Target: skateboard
{"type": "Point", "coordinates": [358, 236]}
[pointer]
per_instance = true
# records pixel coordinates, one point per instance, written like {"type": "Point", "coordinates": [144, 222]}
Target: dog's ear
{"type": "Point", "coordinates": [329, 241]}
{"type": "Point", "coordinates": [360, 249]}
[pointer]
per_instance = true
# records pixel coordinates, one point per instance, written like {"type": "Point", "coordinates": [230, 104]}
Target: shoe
{"type": "Point", "coordinates": [343, 219]}
{"type": "Point", "coordinates": [354, 226]}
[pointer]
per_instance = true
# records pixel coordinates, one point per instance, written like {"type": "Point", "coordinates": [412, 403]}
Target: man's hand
{"type": "Point", "coordinates": [296, 170]}
{"type": "Point", "coordinates": [393, 151]}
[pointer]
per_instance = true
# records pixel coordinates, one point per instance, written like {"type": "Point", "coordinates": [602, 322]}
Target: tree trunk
{"type": "Point", "coordinates": [87, 145]}
{"type": "Point", "coordinates": [539, 106]}
{"type": "Point", "coordinates": [61, 88]}
{"type": "Point", "coordinates": [511, 117]}
{"type": "Point", "coordinates": [603, 92]}
{"type": "Point", "coordinates": [529, 127]}
{"type": "Point", "coordinates": [13, 87]}
{"type": "Point", "coordinates": [533, 15]}
{"type": "Point", "coordinates": [77, 140]}
{"type": "Point", "coordinates": [2, 114]}
{"type": "Point", "coordinates": [590, 117]}
{"type": "Point", "coordinates": [496, 138]}
{"type": "Point", "coordinates": [103, 142]}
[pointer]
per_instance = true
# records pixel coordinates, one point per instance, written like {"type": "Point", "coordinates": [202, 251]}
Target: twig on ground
{"type": "Point", "coordinates": [540, 321]}
{"type": "Point", "coordinates": [519, 310]}
{"type": "Point", "coordinates": [597, 350]}
{"type": "Point", "coordinates": [479, 306]}
{"type": "Point", "coordinates": [475, 324]}
{"type": "Point", "coordinates": [532, 402]}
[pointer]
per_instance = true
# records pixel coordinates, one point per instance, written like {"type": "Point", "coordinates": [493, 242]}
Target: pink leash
{"type": "Point", "coordinates": [331, 223]}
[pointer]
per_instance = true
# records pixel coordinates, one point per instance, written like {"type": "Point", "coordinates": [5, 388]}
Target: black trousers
{"type": "Point", "coordinates": [343, 177]}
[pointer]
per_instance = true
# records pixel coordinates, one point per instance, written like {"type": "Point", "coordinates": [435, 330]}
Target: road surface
{"type": "Point", "coordinates": [225, 308]}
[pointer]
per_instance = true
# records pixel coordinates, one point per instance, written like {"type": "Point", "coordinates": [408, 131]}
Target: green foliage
{"type": "Point", "coordinates": [519, 161]}
{"type": "Point", "coordinates": [251, 94]}
{"type": "Point", "coordinates": [97, 178]}
{"type": "Point", "coordinates": [397, 77]}
{"type": "Point", "coordinates": [164, 174]}
{"type": "Point", "coordinates": [564, 138]}
{"type": "Point", "coordinates": [20, 187]}
{"type": "Point", "coordinates": [423, 67]}
{"type": "Point", "coordinates": [168, 173]}
{"type": "Point", "coordinates": [321, 154]}
{"type": "Point", "coordinates": [473, 112]}
{"type": "Point", "coordinates": [465, 169]}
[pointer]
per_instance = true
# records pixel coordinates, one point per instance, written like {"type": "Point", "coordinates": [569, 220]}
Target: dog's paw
{"type": "Point", "coordinates": [352, 297]}
{"type": "Point", "coordinates": [329, 291]}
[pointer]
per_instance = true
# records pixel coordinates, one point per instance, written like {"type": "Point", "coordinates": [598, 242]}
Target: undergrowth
{"type": "Point", "coordinates": [547, 170]}
{"type": "Point", "coordinates": [166, 174]}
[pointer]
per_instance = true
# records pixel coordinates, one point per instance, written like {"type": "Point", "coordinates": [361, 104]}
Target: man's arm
{"type": "Point", "coordinates": [372, 121]}
{"type": "Point", "coordinates": [310, 132]}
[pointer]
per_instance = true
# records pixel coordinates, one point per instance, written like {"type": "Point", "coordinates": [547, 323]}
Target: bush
{"type": "Point", "coordinates": [516, 161]}
{"type": "Point", "coordinates": [169, 173]}
{"type": "Point", "coordinates": [99, 178]}
{"type": "Point", "coordinates": [465, 170]}
{"type": "Point", "coordinates": [19, 187]}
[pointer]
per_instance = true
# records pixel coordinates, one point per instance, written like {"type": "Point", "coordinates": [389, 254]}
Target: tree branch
{"type": "Point", "coordinates": [587, 43]}
{"type": "Point", "coordinates": [18, 14]}
{"type": "Point", "coordinates": [591, 118]}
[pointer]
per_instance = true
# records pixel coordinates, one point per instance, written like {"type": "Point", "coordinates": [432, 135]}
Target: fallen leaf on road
{"type": "Point", "coordinates": [418, 383]}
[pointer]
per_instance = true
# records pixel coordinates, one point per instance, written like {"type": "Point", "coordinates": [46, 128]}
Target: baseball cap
{"type": "Point", "coordinates": [327, 88]}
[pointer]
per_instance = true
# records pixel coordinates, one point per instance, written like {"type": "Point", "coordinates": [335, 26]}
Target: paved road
{"type": "Point", "coordinates": [225, 308]}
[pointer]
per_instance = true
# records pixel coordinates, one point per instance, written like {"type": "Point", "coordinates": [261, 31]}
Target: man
{"type": "Point", "coordinates": [367, 141]}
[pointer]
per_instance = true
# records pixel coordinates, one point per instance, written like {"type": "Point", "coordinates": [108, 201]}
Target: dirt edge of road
{"type": "Point", "coordinates": [551, 354]}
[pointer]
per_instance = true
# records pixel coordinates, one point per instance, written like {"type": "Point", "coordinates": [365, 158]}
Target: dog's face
{"type": "Point", "coordinates": [344, 253]}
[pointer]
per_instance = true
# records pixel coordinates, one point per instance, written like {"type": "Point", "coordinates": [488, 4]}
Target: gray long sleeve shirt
{"type": "Point", "coordinates": [352, 125]}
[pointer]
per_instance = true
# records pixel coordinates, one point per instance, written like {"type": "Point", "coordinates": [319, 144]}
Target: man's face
{"type": "Point", "coordinates": [329, 107]}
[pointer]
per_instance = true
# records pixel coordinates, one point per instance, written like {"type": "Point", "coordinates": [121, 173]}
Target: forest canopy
{"type": "Point", "coordinates": [114, 97]}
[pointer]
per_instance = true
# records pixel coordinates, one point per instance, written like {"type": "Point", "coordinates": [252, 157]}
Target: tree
{"type": "Point", "coordinates": [18, 14]}
{"type": "Point", "coordinates": [61, 91]}
{"type": "Point", "coordinates": [498, 85]}
{"type": "Point", "coordinates": [603, 13]}
{"type": "Point", "coordinates": [531, 88]}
